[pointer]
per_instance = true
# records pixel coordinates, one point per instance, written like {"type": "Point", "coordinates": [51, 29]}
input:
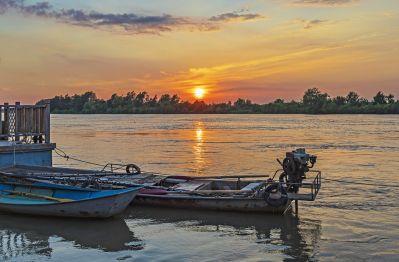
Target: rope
{"type": "Point", "coordinates": [113, 167]}
{"type": "Point", "coordinates": [62, 154]}
{"type": "Point", "coordinates": [358, 183]}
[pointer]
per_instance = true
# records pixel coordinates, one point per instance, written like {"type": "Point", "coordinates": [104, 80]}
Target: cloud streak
{"type": "Point", "coordinates": [308, 24]}
{"type": "Point", "coordinates": [235, 17]}
{"type": "Point", "coordinates": [127, 22]}
{"type": "Point", "coordinates": [323, 2]}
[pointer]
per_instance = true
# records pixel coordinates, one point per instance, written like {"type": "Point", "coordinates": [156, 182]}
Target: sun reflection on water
{"type": "Point", "coordinates": [199, 134]}
{"type": "Point", "coordinates": [199, 160]}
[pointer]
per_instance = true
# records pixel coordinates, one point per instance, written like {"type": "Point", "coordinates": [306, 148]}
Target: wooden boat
{"type": "Point", "coordinates": [62, 200]}
{"type": "Point", "coordinates": [235, 193]}
{"type": "Point", "coordinates": [219, 194]}
{"type": "Point", "coordinates": [240, 193]}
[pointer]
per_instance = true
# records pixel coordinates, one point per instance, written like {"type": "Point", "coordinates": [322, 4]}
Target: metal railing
{"type": "Point", "coordinates": [313, 188]}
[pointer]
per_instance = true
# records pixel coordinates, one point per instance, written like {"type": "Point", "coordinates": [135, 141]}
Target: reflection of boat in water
{"type": "Point", "coordinates": [21, 236]}
{"type": "Point", "coordinates": [295, 238]}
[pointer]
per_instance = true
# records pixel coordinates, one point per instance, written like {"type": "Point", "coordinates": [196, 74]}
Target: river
{"type": "Point", "coordinates": [347, 222]}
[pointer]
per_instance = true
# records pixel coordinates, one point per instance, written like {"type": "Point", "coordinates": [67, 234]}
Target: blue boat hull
{"type": "Point", "coordinates": [92, 203]}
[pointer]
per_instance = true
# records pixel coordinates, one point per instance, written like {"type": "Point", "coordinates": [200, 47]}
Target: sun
{"type": "Point", "coordinates": [199, 92]}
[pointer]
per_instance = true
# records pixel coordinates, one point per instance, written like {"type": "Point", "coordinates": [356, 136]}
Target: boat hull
{"type": "Point", "coordinates": [211, 203]}
{"type": "Point", "coordinates": [64, 201]}
{"type": "Point", "coordinates": [90, 208]}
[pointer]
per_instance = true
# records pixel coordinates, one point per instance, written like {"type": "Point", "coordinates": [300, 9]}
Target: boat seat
{"type": "Point", "coordinates": [251, 186]}
{"type": "Point", "coordinates": [189, 185]}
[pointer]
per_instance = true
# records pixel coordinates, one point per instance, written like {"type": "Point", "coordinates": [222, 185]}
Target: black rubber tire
{"type": "Point", "coordinates": [275, 202]}
{"type": "Point", "coordinates": [131, 167]}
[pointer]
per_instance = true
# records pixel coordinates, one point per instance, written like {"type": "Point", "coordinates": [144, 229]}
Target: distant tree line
{"type": "Point", "coordinates": [313, 102]}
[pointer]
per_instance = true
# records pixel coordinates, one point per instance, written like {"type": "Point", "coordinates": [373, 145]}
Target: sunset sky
{"type": "Point", "coordinates": [259, 49]}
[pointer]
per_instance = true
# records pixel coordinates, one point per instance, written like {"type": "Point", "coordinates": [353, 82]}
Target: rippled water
{"type": "Point", "coordinates": [347, 222]}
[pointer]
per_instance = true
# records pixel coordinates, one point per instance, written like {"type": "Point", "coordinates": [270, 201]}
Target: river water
{"type": "Point", "coordinates": [347, 222]}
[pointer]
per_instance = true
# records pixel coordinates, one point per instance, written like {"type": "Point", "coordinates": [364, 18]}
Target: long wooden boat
{"type": "Point", "coordinates": [47, 199]}
{"type": "Point", "coordinates": [234, 193]}
{"type": "Point", "coordinates": [222, 195]}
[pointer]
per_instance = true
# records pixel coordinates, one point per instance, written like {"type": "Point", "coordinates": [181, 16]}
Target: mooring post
{"type": "Point", "coordinates": [296, 207]}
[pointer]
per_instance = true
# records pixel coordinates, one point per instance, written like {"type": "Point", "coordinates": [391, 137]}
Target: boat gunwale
{"type": "Point", "coordinates": [196, 197]}
{"type": "Point", "coordinates": [124, 191]}
{"type": "Point", "coordinates": [53, 186]}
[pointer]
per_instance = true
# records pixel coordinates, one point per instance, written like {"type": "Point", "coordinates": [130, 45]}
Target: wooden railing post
{"type": "Point", "coordinates": [1, 121]}
{"type": "Point", "coordinates": [47, 122]}
{"type": "Point", "coordinates": [5, 128]}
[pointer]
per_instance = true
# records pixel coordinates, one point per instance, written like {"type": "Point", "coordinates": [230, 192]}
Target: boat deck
{"type": "Point", "coordinates": [58, 173]}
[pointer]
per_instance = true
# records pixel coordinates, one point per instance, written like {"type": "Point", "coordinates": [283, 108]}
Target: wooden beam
{"type": "Point", "coordinates": [47, 122]}
{"type": "Point", "coordinates": [5, 128]}
{"type": "Point", "coordinates": [1, 120]}
{"type": "Point", "coordinates": [17, 120]}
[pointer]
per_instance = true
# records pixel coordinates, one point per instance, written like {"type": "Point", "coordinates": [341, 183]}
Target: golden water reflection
{"type": "Point", "coordinates": [349, 148]}
{"type": "Point", "coordinates": [199, 134]}
{"type": "Point", "coordinates": [198, 148]}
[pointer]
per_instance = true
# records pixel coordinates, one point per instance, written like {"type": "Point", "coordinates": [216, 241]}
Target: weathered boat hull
{"type": "Point", "coordinates": [91, 208]}
{"type": "Point", "coordinates": [48, 199]}
{"type": "Point", "coordinates": [211, 203]}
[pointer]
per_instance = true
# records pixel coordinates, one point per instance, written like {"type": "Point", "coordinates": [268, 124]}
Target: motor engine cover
{"type": "Point", "coordinates": [296, 164]}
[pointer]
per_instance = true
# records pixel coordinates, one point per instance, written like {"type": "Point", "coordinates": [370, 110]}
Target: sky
{"type": "Point", "coordinates": [259, 49]}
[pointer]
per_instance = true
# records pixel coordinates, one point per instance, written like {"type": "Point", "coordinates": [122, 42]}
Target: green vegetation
{"type": "Point", "coordinates": [313, 102]}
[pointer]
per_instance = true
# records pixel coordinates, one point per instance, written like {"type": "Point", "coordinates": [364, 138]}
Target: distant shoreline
{"type": "Point", "coordinates": [224, 113]}
{"type": "Point", "coordinates": [313, 102]}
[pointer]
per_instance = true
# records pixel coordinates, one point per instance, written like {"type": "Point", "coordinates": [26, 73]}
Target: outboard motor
{"type": "Point", "coordinates": [295, 166]}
